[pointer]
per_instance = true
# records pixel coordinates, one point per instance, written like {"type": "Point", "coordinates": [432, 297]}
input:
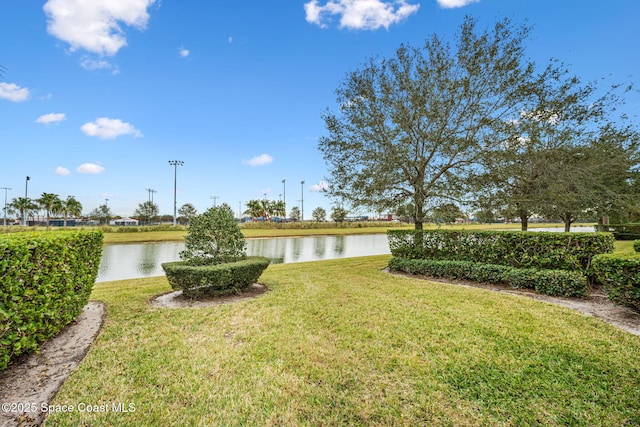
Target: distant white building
{"type": "Point", "coordinates": [124, 221]}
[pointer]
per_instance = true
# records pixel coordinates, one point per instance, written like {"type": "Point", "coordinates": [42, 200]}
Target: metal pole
{"type": "Point", "coordinates": [302, 200]}
{"type": "Point", "coordinates": [284, 196]}
{"type": "Point", "coordinates": [26, 187]}
{"type": "Point", "coordinates": [5, 204]}
{"type": "Point", "coordinates": [175, 164]}
{"type": "Point", "coordinates": [151, 191]}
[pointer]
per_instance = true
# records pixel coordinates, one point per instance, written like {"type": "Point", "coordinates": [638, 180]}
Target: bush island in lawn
{"type": "Point", "coordinates": [214, 261]}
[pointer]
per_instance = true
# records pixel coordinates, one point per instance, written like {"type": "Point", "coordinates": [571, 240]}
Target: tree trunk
{"type": "Point", "coordinates": [524, 221]}
{"type": "Point", "coordinates": [568, 219]}
{"type": "Point", "coordinates": [418, 216]}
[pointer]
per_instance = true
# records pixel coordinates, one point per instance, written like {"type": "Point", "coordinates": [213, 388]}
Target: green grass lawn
{"type": "Point", "coordinates": [343, 343]}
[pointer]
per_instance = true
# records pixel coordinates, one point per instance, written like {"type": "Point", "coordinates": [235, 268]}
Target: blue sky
{"type": "Point", "coordinates": [97, 96]}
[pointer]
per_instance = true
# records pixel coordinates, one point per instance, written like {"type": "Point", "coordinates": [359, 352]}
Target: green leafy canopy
{"type": "Point", "coordinates": [214, 237]}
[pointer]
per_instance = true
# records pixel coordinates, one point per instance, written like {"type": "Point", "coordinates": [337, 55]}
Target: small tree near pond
{"type": "Point", "coordinates": [214, 261]}
{"type": "Point", "coordinates": [214, 237]}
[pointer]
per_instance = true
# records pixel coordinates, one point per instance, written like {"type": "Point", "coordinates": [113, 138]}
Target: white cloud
{"type": "Point", "coordinates": [13, 92]}
{"type": "Point", "coordinates": [451, 4]}
{"type": "Point", "coordinates": [51, 118]}
{"type": "Point", "coordinates": [360, 14]}
{"type": "Point", "coordinates": [90, 168]}
{"type": "Point", "coordinates": [95, 25]}
{"type": "Point", "coordinates": [261, 160]}
{"type": "Point", "coordinates": [183, 52]}
{"type": "Point", "coordinates": [321, 186]}
{"type": "Point", "coordinates": [98, 64]}
{"type": "Point", "coordinates": [106, 128]}
{"type": "Point", "coordinates": [62, 171]}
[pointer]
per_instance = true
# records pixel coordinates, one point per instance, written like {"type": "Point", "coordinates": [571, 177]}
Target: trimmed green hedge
{"type": "Point", "coordinates": [620, 276]}
{"type": "Point", "coordinates": [629, 231]}
{"type": "Point", "coordinates": [550, 282]}
{"type": "Point", "coordinates": [218, 279]}
{"type": "Point", "coordinates": [544, 250]}
{"type": "Point", "coordinates": [46, 279]}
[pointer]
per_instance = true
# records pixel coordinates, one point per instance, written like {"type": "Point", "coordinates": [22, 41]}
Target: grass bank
{"type": "Point", "coordinates": [343, 343]}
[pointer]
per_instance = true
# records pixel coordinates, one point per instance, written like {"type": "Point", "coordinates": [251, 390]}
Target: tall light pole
{"type": "Point", "coordinates": [5, 203]}
{"type": "Point", "coordinates": [284, 196]}
{"type": "Point", "coordinates": [151, 191]}
{"type": "Point", "coordinates": [214, 200]}
{"type": "Point", "coordinates": [175, 164]}
{"type": "Point", "coordinates": [302, 200]}
{"type": "Point", "coordinates": [26, 187]}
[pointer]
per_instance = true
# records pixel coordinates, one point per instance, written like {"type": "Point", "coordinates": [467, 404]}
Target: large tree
{"type": "Point", "coordinates": [557, 156]}
{"type": "Point", "coordinates": [187, 211]}
{"type": "Point", "coordinates": [319, 214]}
{"type": "Point", "coordinates": [147, 211]}
{"type": "Point", "coordinates": [411, 128]}
{"type": "Point", "coordinates": [101, 214]}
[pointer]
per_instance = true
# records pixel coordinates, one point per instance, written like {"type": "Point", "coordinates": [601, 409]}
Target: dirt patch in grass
{"type": "Point", "coordinates": [595, 304]}
{"type": "Point", "coordinates": [176, 300]}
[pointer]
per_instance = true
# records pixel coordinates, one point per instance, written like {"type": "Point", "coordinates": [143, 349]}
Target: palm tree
{"type": "Point", "coordinates": [51, 203]}
{"type": "Point", "coordinates": [265, 205]}
{"type": "Point", "coordinates": [71, 207]}
{"type": "Point", "coordinates": [23, 205]}
{"type": "Point", "coordinates": [254, 209]}
{"type": "Point", "coordinates": [278, 209]}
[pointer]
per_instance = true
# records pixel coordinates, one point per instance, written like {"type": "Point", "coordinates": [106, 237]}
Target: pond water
{"type": "Point", "coordinates": [132, 261]}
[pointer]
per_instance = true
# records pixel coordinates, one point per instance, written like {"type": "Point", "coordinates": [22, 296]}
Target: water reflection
{"type": "Point", "coordinates": [131, 261]}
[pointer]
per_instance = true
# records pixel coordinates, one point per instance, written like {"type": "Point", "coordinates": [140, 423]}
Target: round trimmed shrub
{"type": "Point", "coordinates": [214, 261]}
{"type": "Point", "coordinates": [197, 281]}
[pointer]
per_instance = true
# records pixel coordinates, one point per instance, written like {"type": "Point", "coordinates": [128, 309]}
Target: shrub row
{"type": "Point", "coordinates": [636, 245]}
{"type": "Point", "coordinates": [45, 281]}
{"type": "Point", "coordinates": [142, 228]}
{"type": "Point", "coordinates": [620, 277]}
{"type": "Point", "coordinates": [629, 231]}
{"type": "Point", "coordinates": [304, 225]}
{"type": "Point", "coordinates": [545, 250]}
{"type": "Point", "coordinates": [217, 279]}
{"type": "Point", "coordinates": [550, 282]}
